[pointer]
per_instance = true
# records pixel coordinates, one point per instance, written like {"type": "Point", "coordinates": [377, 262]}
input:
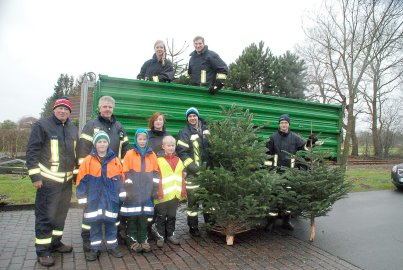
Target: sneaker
{"type": "Point", "coordinates": [160, 242]}
{"type": "Point", "coordinates": [173, 240]}
{"type": "Point", "coordinates": [46, 260]}
{"type": "Point", "coordinates": [146, 247]}
{"type": "Point", "coordinates": [136, 247]}
{"type": "Point", "coordinates": [115, 252]}
{"type": "Point", "coordinates": [194, 232]}
{"type": "Point", "coordinates": [63, 248]}
{"type": "Point", "coordinates": [92, 255]}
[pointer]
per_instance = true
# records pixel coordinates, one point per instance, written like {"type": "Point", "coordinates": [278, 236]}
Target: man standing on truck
{"type": "Point", "coordinates": [192, 150]}
{"type": "Point", "coordinates": [119, 144]}
{"type": "Point", "coordinates": [280, 144]}
{"type": "Point", "coordinates": [206, 68]}
{"type": "Point", "coordinates": [51, 161]}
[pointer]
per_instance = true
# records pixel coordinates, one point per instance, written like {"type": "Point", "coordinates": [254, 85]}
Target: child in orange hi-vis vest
{"type": "Point", "coordinates": [172, 190]}
{"type": "Point", "coordinates": [140, 169]}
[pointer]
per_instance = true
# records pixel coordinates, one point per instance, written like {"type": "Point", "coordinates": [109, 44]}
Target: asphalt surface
{"type": "Point", "coordinates": [365, 229]}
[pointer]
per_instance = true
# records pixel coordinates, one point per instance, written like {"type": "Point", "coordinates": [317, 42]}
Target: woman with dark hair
{"type": "Point", "coordinates": [157, 131]}
{"type": "Point", "coordinates": [159, 68]}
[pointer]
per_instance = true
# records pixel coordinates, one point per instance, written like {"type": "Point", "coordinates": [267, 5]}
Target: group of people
{"type": "Point", "coordinates": [128, 191]}
{"type": "Point", "coordinates": [205, 68]}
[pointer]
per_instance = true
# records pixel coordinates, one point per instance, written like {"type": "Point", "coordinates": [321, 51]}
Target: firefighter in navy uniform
{"type": "Point", "coordinates": [206, 68]}
{"type": "Point", "coordinates": [119, 144]}
{"type": "Point", "coordinates": [51, 164]}
{"type": "Point", "coordinates": [192, 148]}
{"type": "Point", "coordinates": [280, 143]}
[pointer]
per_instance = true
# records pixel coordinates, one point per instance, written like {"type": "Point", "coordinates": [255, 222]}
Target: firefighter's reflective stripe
{"type": "Point", "coordinates": [56, 176]}
{"type": "Point", "coordinates": [275, 160]}
{"type": "Point", "coordinates": [196, 153]}
{"type": "Point", "coordinates": [85, 226]}
{"type": "Point", "coordinates": [148, 209]}
{"type": "Point", "coordinates": [150, 219]}
{"type": "Point", "coordinates": [306, 148]}
{"type": "Point", "coordinates": [203, 76]}
{"type": "Point", "coordinates": [155, 79]}
{"type": "Point", "coordinates": [112, 241]}
{"type": "Point", "coordinates": [82, 200]}
{"type": "Point", "coordinates": [130, 209]}
{"type": "Point", "coordinates": [221, 76]}
{"type": "Point", "coordinates": [111, 214]}
{"type": "Point", "coordinates": [54, 155]}
{"type": "Point", "coordinates": [190, 185]}
{"type": "Point", "coordinates": [96, 243]}
{"type": "Point", "coordinates": [75, 171]}
{"type": "Point", "coordinates": [129, 181]}
{"type": "Point", "coordinates": [86, 137]}
{"type": "Point", "coordinates": [272, 214]}
{"type": "Point", "coordinates": [117, 223]}
{"type": "Point", "coordinates": [80, 161]}
{"type": "Point", "coordinates": [206, 132]}
{"type": "Point", "coordinates": [122, 194]}
{"type": "Point", "coordinates": [75, 147]}
{"type": "Point", "coordinates": [57, 233]}
{"type": "Point", "coordinates": [183, 144]}
{"type": "Point", "coordinates": [125, 139]}
{"type": "Point", "coordinates": [44, 241]}
{"type": "Point", "coordinates": [191, 213]}
{"type": "Point", "coordinates": [34, 171]}
{"type": "Point", "coordinates": [187, 162]}
{"type": "Point", "coordinates": [194, 137]}
{"type": "Point", "coordinates": [292, 162]}
{"type": "Point", "coordinates": [93, 214]}
{"type": "Point", "coordinates": [268, 163]}
{"type": "Point", "coordinates": [156, 180]}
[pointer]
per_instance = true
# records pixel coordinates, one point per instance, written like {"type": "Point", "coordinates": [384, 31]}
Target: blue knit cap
{"type": "Point", "coordinates": [284, 117]}
{"type": "Point", "coordinates": [192, 110]}
{"type": "Point", "coordinates": [142, 151]}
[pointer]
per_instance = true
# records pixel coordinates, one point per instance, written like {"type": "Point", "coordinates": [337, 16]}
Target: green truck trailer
{"type": "Point", "coordinates": [137, 100]}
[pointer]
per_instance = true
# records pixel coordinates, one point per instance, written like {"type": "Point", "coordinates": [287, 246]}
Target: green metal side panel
{"type": "Point", "coordinates": [137, 100]}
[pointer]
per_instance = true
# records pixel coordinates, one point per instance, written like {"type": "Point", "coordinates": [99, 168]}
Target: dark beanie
{"type": "Point", "coordinates": [284, 117]}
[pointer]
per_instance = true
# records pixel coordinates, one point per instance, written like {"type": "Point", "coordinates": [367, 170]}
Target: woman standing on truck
{"type": "Point", "coordinates": [159, 68]}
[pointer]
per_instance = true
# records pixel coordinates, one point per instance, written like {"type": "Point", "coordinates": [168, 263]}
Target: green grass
{"type": "Point", "coordinates": [19, 190]}
{"type": "Point", "coordinates": [367, 178]}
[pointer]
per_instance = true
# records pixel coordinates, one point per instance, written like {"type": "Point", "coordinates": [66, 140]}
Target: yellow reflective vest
{"type": "Point", "coordinates": [172, 180]}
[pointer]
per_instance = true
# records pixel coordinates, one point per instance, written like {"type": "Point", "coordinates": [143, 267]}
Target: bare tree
{"type": "Point", "coordinates": [343, 40]}
{"type": "Point", "coordinates": [176, 57]}
{"type": "Point", "coordinates": [391, 124]}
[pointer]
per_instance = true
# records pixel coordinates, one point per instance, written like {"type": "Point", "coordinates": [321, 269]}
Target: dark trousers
{"type": "Point", "coordinates": [137, 229]}
{"type": "Point", "coordinates": [52, 203]}
{"type": "Point", "coordinates": [110, 235]}
{"type": "Point", "coordinates": [166, 217]}
{"type": "Point", "coordinates": [192, 216]}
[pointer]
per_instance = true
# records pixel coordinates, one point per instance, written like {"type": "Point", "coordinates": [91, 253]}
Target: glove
{"type": "Point", "coordinates": [192, 168]}
{"type": "Point", "coordinates": [215, 88]}
{"type": "Point", "coordinates": [312, 139]}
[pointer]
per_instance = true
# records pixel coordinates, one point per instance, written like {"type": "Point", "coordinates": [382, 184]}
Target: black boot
{"type": "Point", "coordinates": [270, 224]}
{"type": "Point", "coordinates": [287, 224]}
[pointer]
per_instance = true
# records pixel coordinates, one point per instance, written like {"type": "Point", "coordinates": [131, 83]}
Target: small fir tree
{"type": "Point", "coordinates": [318, 185]}
{"type": "Point", "coordinates": [236, 191]}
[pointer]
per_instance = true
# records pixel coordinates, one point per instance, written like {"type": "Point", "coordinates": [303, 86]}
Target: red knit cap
{"type": "Point", "coordinates": [63, 101]}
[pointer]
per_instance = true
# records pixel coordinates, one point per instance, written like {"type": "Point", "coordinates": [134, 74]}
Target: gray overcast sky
{"type": "Point", "coordinates": [41, 39]}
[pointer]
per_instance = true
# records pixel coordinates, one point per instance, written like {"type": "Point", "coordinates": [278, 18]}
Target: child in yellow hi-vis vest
{"type": "Point", "coordinates": [172, 189]}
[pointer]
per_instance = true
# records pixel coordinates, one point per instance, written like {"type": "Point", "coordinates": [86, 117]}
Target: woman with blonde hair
{"type": "Point", "coordinates": [159, 68]}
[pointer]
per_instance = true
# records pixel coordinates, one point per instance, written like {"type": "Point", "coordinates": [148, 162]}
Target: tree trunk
{"type": "Point", "coordinates": [312, 229]}
{"type": "Point", "coordinates": [230, 240]}
{"type": "Point", "coordinates": [347, 139]}
{"type": "Point", "coordinates": [354, 140]}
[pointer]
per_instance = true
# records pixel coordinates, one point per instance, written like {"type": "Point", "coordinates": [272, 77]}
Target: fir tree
{"type": "Point", "coordinates": [318, 186]}
{"type": "Point", "coordinates": [236, 191]}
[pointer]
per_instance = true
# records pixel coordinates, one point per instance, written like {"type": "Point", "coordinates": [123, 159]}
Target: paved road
{"type": "Point", "coordinates": [365, 229]}
{"type": "Point", "coordinates": [252, 250]}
